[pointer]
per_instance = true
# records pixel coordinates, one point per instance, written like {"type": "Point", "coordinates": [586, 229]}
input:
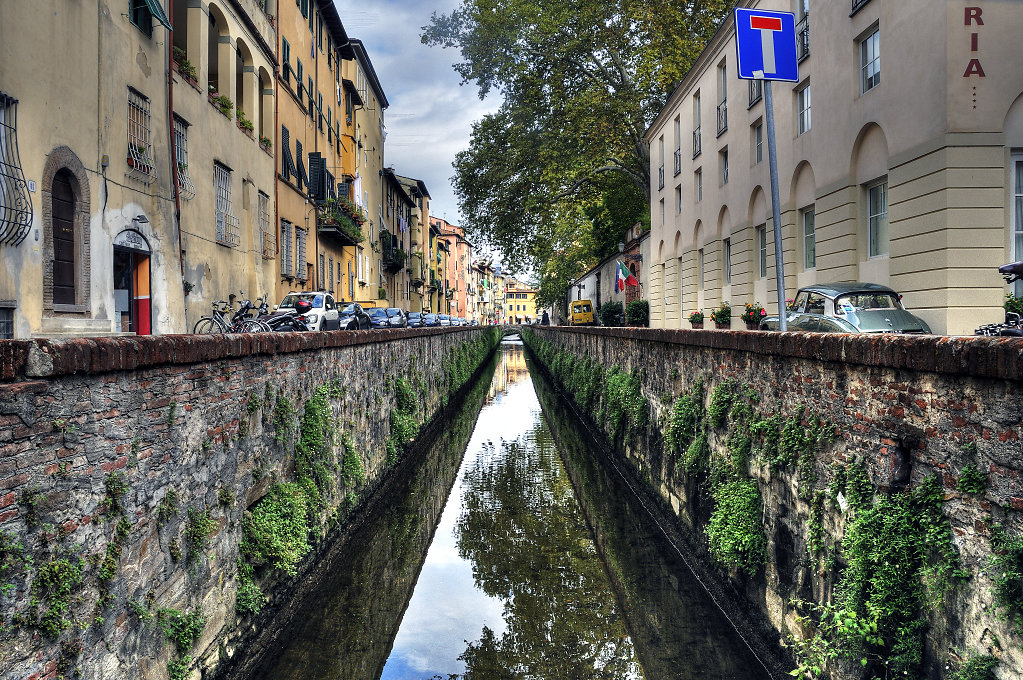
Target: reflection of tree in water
{"type": "Point", "coordinates": [530, 546]}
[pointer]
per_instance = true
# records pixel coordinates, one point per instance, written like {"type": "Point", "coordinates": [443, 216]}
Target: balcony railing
{"type": "Point", "coordinates": [678, 162]}
{"type": "Point", "coordinates": [722, 118]}
{"type": "Point", "coordinates": [660, 177]}
{"type": "Point", "coordinates": [697, 142]}
{"type": "Point", "coordinates": [803, 38]}
{"type": "Point", "coordinates": [857, 4]}
{"type": "Point", "coordinates": [756, 92]}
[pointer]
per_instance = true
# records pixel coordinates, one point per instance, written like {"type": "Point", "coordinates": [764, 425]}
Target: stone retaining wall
{"type": "Point", "coordinates": [98, 559]}
{"type": "Point", "coordinates": [905, 408]}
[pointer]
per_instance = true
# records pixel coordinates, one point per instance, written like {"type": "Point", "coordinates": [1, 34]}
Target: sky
{"type": "Point", "coordinates": [430, 116]}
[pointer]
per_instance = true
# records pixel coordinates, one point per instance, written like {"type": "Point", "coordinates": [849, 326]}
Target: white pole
{"type": "Point", "coordinates": [772, 154]}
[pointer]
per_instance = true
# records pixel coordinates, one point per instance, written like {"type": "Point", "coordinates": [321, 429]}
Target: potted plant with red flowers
{"type": "Point", "coordinates": [696, 319]}
{"type": "Point", "coordinates": [722, 316]}
{"type": "Point", "coordinates": [752, 315]}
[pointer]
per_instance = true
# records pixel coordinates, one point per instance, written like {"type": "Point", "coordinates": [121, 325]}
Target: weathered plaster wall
{"type": "Point", "coordinates": [906, 407]}
{"type": "Point", "coordinates": [206, 417]}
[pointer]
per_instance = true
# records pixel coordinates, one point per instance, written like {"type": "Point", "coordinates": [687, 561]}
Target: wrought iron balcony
{"type": "Point", "coordinates": [697, 142]}
{"type": "Point", "coordinates": [756, 92]}
{"type": "Point", "coordinates": [660, 177]}
{"type": "Point", "coordinates": [678, 162]}
{"type": "Point", "coordinates": [722, 118]}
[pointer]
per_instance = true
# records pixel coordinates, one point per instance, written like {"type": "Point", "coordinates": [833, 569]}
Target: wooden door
{"type": "Point", "coordinates": [63, 240]}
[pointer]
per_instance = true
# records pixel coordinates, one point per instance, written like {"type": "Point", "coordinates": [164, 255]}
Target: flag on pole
{"type": "Point", "coordinates": [623, 277]}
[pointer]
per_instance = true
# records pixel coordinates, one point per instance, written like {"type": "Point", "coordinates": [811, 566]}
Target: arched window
{"type": "Point", "coordinates": [64, 241]}
{"type": "Point", "coordinates": [66, 270]}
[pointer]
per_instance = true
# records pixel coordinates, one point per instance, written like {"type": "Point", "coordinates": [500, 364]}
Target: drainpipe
{"type": "Point", "coordinates": [276, 150]}
{"type": "Point", "coordinates": [173, 148]}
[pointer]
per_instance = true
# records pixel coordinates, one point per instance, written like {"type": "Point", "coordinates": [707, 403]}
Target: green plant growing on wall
{"type": "Point", "coordinates": [54, 584]}
{"type": "Point", "coordinates": [352, 471]}
{"type": "Point", "coordinates": [179, 669]}
{"type": "Point", "coordinates": [167, 507]}
{"type": "Point", "coordinates": [249, 598]}
{"type": "Point", "coordinates": [285, 419]}
{"type": "Point", "coordinates": [1007, 573]}
{"type": "Point", "coordinates": [735, 533]}
{"type": "Point", "coordinates": [116, 486]}
{"type": "Point", "coordinates": [624, 407]}
{"type": "Point", "coordinates": [253, 404]}
{"type": "Point", "coordinates": [175, 550]}
{"type": "Point", "coordinates": [720, 403]}
{"type": "Point", "coordinates": [977, 667]}
{"type": "Point", "coordinates": [172, 412]}
{"type": "Point", "coordinates": [199, 527]}
{"type": "Point", "coordinates": [225, 497]}
{"type": "Point", "coordinates": [972, 480]}
{"type": "Point", "coordinates": [183, 629]}
{"type": "Point", "coordinates": [276, 531]}
{"type": "Point", "coordinates": [32, 499]}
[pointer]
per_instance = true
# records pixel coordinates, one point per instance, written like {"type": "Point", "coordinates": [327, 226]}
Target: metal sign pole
{"type": "Point", "coordinates": [779, 258]}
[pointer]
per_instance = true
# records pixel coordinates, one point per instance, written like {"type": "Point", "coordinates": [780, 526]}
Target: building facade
{"type": "Point", "coordinates": [898, 155]}
{"type": "Point", "coordinates": [460, 256]}
{"type": "Point", "coordinates": [520, 300]}
{"type": "Point", "coordinates": [598, 284]}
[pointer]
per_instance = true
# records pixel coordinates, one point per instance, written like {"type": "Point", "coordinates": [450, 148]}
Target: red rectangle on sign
{"type": "Point", "coordinates": [765, 23]}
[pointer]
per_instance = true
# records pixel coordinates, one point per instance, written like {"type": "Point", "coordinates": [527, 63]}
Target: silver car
{"type": "Point", "coordinates": [848, 308]}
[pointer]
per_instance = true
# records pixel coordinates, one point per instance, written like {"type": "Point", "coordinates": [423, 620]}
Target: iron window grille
{"type": "Point", "coordinates": [756, 92]}
{"type": "Point", "coordinates": [267, 238]}
{"type": "Point", "coordinates": [6, 323]}
{"type": "Point", "coordinates": [140, 145]}
{"type": "Point", "coordinates": [724, 167]}
{"type": "Point", "coordinates": [323, 274]}
{"type": "Point", "coordinates": [287, 259]}
{"type": "Point", "coordinates": [697, 142]}
{"type": "Point", "coordinates": [660, 177]}
{"type": "Point", "coordinates": [15, 199]}
{"type": "Point", "coordinates": [228, 232]}
{"type": "Point", "coordinates": [803, 38]}
{"type": "Point", "coordinates": [857, 5]}
{"type": "Point", "coordinates": [678, 162]}
{"type": "Point", "coordinates": [722, 118]}
{"type": "Point", "coordinates": [301, 270]}
{"type": "Point", "coordinates": [185, 187]}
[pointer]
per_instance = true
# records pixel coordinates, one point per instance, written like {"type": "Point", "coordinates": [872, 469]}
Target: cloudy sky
{"type": "Point", "coordinates": [430, 117]}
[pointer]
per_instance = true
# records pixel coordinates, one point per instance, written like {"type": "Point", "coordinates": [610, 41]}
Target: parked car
{"type": "Point", "coordinates": [378, 317]}
{"type": "Point", "coordinates": [431, 320]}
{"type": "Point", "coordinates": [445, 320]}
{"type": "Point", "coordinates": [396, 317]}
{"type": "Point", "coordinates": [848, 308]}
{"type": "Point", "coordinates": [416, 319]}
{"type": "Point", "coordinates": [324, 314]}
{"type": "Point", "coordinates": [353, 317]}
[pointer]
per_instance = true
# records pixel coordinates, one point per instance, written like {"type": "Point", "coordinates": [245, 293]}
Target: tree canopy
{"type": "Point", "coordinates": [561, 169]}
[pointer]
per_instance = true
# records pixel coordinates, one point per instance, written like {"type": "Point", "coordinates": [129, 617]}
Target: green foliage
{"type": "Point", "coordinates": [175, 550]}
{"type": "Point", "coordinates": [179, 669]}
{"type": "Point", "coordinates": [116, 487]}
{"type": "Point", "coordinates": [625, 408]}
{"type": "Point", "coordinates": [685, 424]}
{"type": "Point", "coordinates": [977, 668]}
{"type": "Point", "coordinates": [198, 529]}
{"type": "Point", "coordinates": [254, 403]}
{"type": "Point", "coordinates": [32, 499]}
{"type": "Point", "coordinates": [249, 599]}
{"type": "Point", "coordinates": [858, 490]}
{"type": "Point", "coordinates": [276, 531]}
{"type": "Point", "coordinates": [285, 418]}
{"type": "Point", "coordinates": [225, 497]}
{"type": "Point", "coordinates": [720, 403]}
{"type": "Point", "coordinates": [611, 313]}
{"type": "Point", "coordinates": [735, 532]}
{"type": "Point", "coordinates": [55, 584]}
{"type": "Point", "coordinates": [172, 413]}
{"type": "Point", "coordinates": [1007, 574]}
{"type": "Point", "coordinates": [168, 506]}
{"type": "Point", "coordinates": [722, 315]}
{"type": "Point", "coordinates": [352, 471]}
{"type": "Point", "coordinates": [1013, 304]}
{"type": "Point", "coordinates": [181, 628]}
{"type": "Point", "coordinates": [314, 458]}
{"type": "Point", "coordinates": [972, 480]}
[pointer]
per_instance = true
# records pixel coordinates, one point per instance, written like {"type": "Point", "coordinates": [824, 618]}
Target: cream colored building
{"type": "Point", "coordinates": [222, 84]}
{"type": "Point", "coordinates": [900, 154]}
{"type": "Point", "coordinates": [88, 240]}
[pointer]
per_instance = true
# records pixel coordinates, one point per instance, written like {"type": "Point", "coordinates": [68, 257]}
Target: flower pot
{"type": "Point", "coordinates": [722, 325]}
{"type": "Point", "coordinates": [752, 326]}
{"type": "Point", "coordinates": [696, 324]}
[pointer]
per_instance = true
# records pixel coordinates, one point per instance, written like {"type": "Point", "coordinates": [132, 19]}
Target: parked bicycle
{"type": "Point", "coordinates": [1013, 324]}
{"type": "Point", "coordinates": [240, 321]}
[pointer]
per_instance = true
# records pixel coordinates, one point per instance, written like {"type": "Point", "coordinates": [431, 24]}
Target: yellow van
{"type": "Point", "coordinates": [582, 313]}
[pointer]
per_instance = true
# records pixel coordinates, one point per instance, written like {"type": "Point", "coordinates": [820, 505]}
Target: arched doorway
{"type": "Point", "coordinates": [131, 283]}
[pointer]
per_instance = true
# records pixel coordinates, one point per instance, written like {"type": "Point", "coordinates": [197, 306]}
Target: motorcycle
{"type": "Point", "coordinates": [289, 320]}
{"type": "Point", "coordinates": [1013, 324]}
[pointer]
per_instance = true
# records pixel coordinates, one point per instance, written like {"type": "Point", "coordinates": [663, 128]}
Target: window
{"type": "Point", "coordinates": [678, 146]}
{"type": "Point", "coordinates": [286, 58]}
{"type": "Point", "coordinates": [756, 92]}
{"type": "Point", "coordinates": [699, 261]}
{"type": "Point", "coordinates": [697, 137]}
{"type": "Point", "coordinates": [140, 15]}
{"type": "Point", "coordinates": [662, 212]}
{"type": "Point", "coordinates": [758, 142]}
{"type": "Point", "coordinates": [660, 168]}
{"type": "Point", "coordinates": [287, 255]}
{"type": "Point", "coordinates": [304, 4]}
{"type": "Point", "coordinates": [301, 270]}
{"type": "Point", "coordinates": [267, 240]}
{"type": "Point", "coordinates": [185, 187]}
{"type": "Point", "coordinates": [870, 61]}
{"type": "Point", "coordinates": [227, 224]}
{"type": "Point", "coordinates": [15, 199]}
{"type": "Point", "coordinates": [723, 160]}
{"type": "Point", "coordinates": [330, 126]}
{"type": "Point", "coordinates": [877, 219]}
{"type": "Point", "coordinates": [319, 32]}
{"type": "Point", "coordinates": [6, 323]}
{"type": "Point", "coordinates": [723, 98]}
{"type": "Point", "coordinates": [809, 239]}
{"type": "Point", "coordinates": [727, 252]}
{"type": "Point", "coordinates": [698, 184]}
{"type": "Point", "coordinates": [298, 82]}
{"type": "Point", "coordinates": [330, 268]}
{"type": "Point", "coordinates": [312, 102]}
{"type": "Point", "coordinates": [140, 147]}
{"type": "Point", "coordinates": [1016, 208]}
{"type": "Point", "coordinates": [678, 200]}
{"type": "Point", "coordinates": [762, 249]}
{"type": "Point", "coordinates": [802, 29]}
{"type": "Point", "coordinates": [804, 109]}
{"type": "Point", "coordinates": [319, 110]}
{"type": "Point", "coordinates": [361, 264]}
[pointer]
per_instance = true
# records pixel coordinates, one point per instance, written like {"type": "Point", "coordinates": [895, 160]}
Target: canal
{"type": "Point", "coordinates": [507, 550]}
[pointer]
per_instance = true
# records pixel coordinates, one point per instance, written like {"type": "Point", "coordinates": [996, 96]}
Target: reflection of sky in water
{"type": "Point", "coordinates": [446, 609]}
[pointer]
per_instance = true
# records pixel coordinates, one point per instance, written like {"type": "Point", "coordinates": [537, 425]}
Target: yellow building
{"type": "Point", "coordinates": [419, 226]}
{"type": "Point", "coordinates": [437, 287]}
{"type": "Point", "coordinates": [520, 302]}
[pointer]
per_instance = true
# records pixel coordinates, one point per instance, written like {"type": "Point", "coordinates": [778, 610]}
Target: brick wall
{"type": "Point", "coordinates": [901, 404]}
{"type": "Point", "coordinates": [190, 413]}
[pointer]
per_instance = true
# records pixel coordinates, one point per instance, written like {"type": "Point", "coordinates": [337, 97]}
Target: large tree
{"type": "Point", "coordinates": [580, 81]}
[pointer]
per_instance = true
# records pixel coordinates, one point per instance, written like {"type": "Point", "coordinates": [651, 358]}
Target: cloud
{"type": "Point", "coordinates": [430, 117]}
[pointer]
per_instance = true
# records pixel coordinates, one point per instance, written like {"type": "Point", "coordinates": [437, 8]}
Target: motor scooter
{"type": "Point", "coordinates": [289, 320]}
{"type": "Point", "coordinates": [1013, 324]}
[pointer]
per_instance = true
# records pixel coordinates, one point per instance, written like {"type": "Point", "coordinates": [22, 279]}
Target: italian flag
{"type": "Point", "coordinates": [623, 277]}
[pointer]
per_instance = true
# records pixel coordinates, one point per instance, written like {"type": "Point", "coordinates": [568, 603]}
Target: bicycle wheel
{"type": "Point", "coordinates": [254, 326]}
{"type": "Point", "coordinates": [207, 325]}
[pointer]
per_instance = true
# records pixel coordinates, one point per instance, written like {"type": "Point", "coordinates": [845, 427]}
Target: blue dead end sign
{"type": "Point", "coordinates": [766, 45]}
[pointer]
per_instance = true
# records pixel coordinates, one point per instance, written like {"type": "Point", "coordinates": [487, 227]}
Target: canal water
{"type": "Point", "coordinates": [509, 551]}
